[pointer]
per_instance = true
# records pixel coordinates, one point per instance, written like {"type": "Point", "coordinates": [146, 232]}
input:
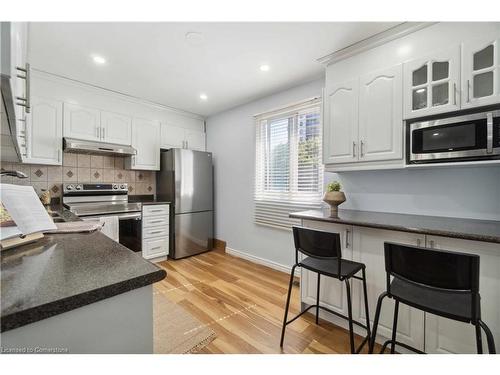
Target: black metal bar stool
{"type": "Point", "coordinates": [444, 283]}
{"type": "Point", "coordinates": [324, 256]}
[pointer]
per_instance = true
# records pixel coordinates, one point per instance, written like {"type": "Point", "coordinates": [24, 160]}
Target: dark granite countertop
{"type": "Point", "coordinates": [468, 229]}
{"type": "Point", "coordinates": [62, 272]}
{"type": "Point", "coordinates": [146, 199]}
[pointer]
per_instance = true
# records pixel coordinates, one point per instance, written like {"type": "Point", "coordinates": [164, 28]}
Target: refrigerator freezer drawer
{"type": "Point", "coordinates": [193, 233]}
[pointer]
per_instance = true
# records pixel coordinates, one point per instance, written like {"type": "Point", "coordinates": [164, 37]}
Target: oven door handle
{"type": "Point", "coordinates": [489, 133]}
{"type": "Point", "coordinates": [136, 216]}
{"type": "Point", "coordinates": [132, 216]}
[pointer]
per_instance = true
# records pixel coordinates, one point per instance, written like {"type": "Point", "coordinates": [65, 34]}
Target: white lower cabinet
{"type": "Point", "coordinates": [368, 248]}
{"type": "Point", "coordinates": [155, 231]}
{"type": "Point", "coordinates": [423, 331]}
{"type": "Point", "coordinates": [332, 291]}
{"type": "Point", "coordinates": [448, 336]}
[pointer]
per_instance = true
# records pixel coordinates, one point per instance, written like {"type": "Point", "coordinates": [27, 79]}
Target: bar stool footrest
{"type": "Point", "coordinates": [366, 338]}
{"type": "Point", "coordinates": [415, 350]}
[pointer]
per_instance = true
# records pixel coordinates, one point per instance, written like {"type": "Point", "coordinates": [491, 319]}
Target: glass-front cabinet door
{"type": "Point", "coordinates": [431, 84]}
{"type": "Point", "coordinates": [480, 72]}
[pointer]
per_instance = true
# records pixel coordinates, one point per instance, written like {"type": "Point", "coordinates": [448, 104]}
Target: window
{"type": "Point", "coordinates": [289, 170]}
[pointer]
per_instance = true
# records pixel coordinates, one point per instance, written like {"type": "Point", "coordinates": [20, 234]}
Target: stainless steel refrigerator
{"type": "Point", "coordinates": [186, 180]}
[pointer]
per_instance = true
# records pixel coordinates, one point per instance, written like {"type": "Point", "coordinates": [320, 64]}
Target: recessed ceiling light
{"type": "Point", "coordinates": [264, 68]}
{"type": "Point", "coordinates": [194, 38]}
{"type": "Point", "coordinates": [203, 96]}
{"type": "Point", "coordinates": [99, 59]}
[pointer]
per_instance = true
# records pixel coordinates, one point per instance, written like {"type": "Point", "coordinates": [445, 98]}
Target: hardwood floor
{"type": "Point", "coordinates": [243, 303]}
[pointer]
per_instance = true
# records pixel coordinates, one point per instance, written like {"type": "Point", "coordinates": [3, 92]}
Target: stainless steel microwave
{"type": "Point", "coordinates": [460, 138]}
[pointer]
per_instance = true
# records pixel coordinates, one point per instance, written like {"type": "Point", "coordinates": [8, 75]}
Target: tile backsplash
{"type": "Point", "coordinates": [82, 168]}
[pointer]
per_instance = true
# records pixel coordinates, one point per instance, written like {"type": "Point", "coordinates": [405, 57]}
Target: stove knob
{"type": "Point", "coordinates": [123, 186]}
{"type": "Point", "coordinates": [79, 187]}
{"type": "Point", "coordinates": [70, 187]}
{"type": "Point", "coordinates": [115, 186]}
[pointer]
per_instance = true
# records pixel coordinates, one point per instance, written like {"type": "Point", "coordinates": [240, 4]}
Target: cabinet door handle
{"type": "Point", "coordinates": [156, 231]}
{"type": "Point", "coordinates": [468, 91]}
{"type": "Point", "coordinates": [26, 102]}
{"type": "Point", "coordinates": [454, 93]}
{"type": "Point", "coordinates": [97, 132]}
{"type": "Point", "coordinates": [362, 149]}
{"type": "Point", "coordinates": [102, 133]}
{"type": "Point", "coordinates": [419, 242]}
{"type": "Point", "coordinates": [353, 149]}
{"type": "Point", "coordinates": [156, 247]}
{"type": "Point", "coordinates": [347, 231]}
{"type": "Point", "coordinates": [431, 244]}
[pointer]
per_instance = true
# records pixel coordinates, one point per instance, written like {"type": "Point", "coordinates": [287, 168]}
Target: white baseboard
{"type": "Point", "coordinates": [262, 261]}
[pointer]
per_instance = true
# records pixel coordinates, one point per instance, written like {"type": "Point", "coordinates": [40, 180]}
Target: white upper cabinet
{"type": "Point", "coordinates": [116, 128]}
{"type": "Point", "coordinates": [195, 140]}
{"type": "Point", "coordinates": [340, 123]}
{"type": "Point", "coordinates": [178, 137]}
{"type": "Point", "coordinates": [44, 132]}
{"type": "Point", "coordinates": [481, 72]}
{"type": "Point", "coordinates": [172, 136]}
{"type": "Point", "coordinates": [381, 115]}
{"type": "Point", "coordinates": [95, 125]}
{"type": "Point", "coordinates": [146, 140]}
{"type": "Point", "coordinates": [432, 84]}
{"type": "Point", "coordinates": [82, 122]}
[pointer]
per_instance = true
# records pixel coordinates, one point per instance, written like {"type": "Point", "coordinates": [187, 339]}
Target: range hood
{"type": "Point", "coordinates": [98, 148]}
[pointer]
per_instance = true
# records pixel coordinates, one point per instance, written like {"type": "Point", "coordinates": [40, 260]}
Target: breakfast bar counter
{"type": "Point", "coordinates": [363, 235]}
{"type": "Point", "coordinates": [467, 229]}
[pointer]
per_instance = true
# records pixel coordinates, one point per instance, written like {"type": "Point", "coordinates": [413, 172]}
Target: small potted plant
{"type": "Point", "coordinates": [334, 197]}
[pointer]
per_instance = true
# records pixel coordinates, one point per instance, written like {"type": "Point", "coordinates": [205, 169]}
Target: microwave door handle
{"type": "Point", "coordinates": [489, 133]}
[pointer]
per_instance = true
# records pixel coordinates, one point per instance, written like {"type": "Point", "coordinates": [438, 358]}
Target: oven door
{"type": "Point", "coordinates": [129, 229]}
{"type": "Point", "coordinates": [463, 138]}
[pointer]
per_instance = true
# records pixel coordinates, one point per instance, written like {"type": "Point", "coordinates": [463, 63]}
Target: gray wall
{"type": "Point", "coordinates": [461, 192]}
{"type": "Point", "coordinates": [472, 192]}
{"type": "Point", "coordinates": [231, 138]}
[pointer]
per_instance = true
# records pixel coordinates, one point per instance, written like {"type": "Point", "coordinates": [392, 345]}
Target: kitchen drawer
{"type": "Point", "coordinates": [154, 221]}
{"type": "Point", "coordinates": [155, 247]}
{"type": "Point", "coordinates": [155, 210]}
{"type": "Point", "coordinates": [150, 232]}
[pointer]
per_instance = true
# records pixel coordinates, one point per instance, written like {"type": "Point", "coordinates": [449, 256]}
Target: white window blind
{"type": "Point", "coordinates": [289, 170]}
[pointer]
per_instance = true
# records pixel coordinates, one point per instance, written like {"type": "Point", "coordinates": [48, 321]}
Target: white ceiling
{"type": "Point", "coordinates": [155, 62]}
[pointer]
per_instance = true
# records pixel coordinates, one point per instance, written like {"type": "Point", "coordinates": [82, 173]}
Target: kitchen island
{"type": "Point", "coordinates": [77, 293]}
{"type": "Point", "coordinates": [362, 239]}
